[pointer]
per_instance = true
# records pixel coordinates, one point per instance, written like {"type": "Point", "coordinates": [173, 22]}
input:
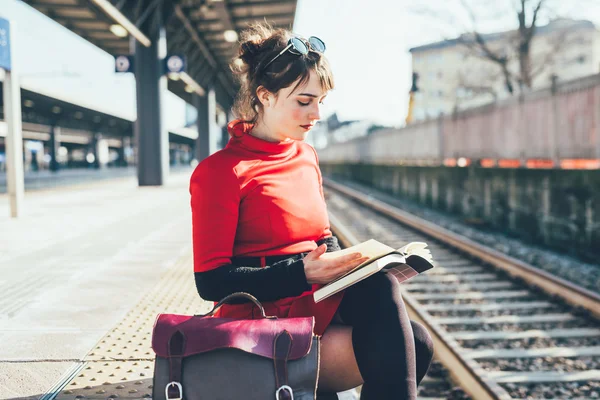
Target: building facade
{"type": "Point", "coordinates": [454, 76]}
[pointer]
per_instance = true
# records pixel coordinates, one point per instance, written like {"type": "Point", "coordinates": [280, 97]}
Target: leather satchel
{"type": "Point", "coordinates": [201, 357]}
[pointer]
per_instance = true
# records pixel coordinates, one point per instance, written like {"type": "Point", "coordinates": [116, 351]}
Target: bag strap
{"type": "Point", "coordinates": [174, 389]}
{"type": "Point", "coordinates": [237, 295]}
{"type": "Point", "coordinates": [281, 350]}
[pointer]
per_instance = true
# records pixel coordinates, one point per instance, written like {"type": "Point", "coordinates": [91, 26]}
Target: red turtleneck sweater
{"type": "Point", "coordinates": [257, 198]}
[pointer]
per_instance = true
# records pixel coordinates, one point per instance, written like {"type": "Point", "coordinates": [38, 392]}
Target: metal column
{"type": "Point", "coordinates": [206, 143]}
{"type": "Point", "coordinates": [151, 136]}
{"type": "Point", "coordinates": [224, 131]}
{"type": "Point", "coordinates": [12, 116]}
{"type": "Point", "coordinates": [54, 144]}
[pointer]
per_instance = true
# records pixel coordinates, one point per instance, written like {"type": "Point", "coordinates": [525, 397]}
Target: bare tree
{"type": "Point", "coordinates": [479, 47]}
{"type": "Point", "coordinates": [520, 43]}
{"type": "Point", "coordinates": [512, 52]}
{"type": "Point", "coordinates": [524, 41]}
{"type": "Point", "coordinates": [476, 86]}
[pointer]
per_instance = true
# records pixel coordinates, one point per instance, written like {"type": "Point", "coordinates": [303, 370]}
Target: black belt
{"type": "Point", "coordinates": [266, 260]}
{"type": "Point", "coordinates": [269, 260]}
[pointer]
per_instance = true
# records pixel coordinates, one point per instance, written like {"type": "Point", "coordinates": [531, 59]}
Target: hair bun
{"type": "Point", "coordinates": [249, 50]}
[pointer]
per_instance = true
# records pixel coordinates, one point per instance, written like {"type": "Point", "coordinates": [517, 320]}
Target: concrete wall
{"type": "Point", "coordinates": [557, 208]}
{"type": "Point", "coordinates": [556, 125]}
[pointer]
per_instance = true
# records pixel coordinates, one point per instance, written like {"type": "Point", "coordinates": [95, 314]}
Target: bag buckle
{"type": "Point", "coordinates": [288, 389]}
{"type": "Point", "coordinates": [178, 387]}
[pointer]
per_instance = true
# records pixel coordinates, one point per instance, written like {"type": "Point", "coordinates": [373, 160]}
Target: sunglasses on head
{"type": "Point", "coordinates": [300, 47]}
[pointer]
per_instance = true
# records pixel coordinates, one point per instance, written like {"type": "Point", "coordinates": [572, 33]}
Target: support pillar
{"type": "Point", "coordinates": [121, 161]}
{"type": "Point", "coordinates": [102, 152]}
{"type": "Point", "coordinates": [15, 178]}
{"type": "Point", "coordinates": [127, 151]}
{"type": "Point", "coordinates": [487, 199]}
{"type": "Point", "coordinates": [435, 191]}
{"type": "Point", "coordinates": [93, 149]}
{"type": "Point", "coordinates": [422, 186]}
{"type": "Point", "coordinates": [206, 143]}
{"type": "Point", "coordinates": [54, 145]}
{"type": "Point", "coordinates": [546, 218]}
{"type": "Point", "coordinates": [151, 135]}
{"type": "Point", "coordinates": [224, 132]}
{"type": "Point", "coordinates": [512, 201]}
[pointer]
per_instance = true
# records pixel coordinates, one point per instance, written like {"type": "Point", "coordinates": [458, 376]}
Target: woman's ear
{"type": "Point", "coordinates": [265, 97]}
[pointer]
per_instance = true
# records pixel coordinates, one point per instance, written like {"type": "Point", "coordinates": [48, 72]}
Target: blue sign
{"type": "Point", "coordinates": [174, 64]}
{"type": "Point", "coordinates": [4, 44]}
{"type": "Point", "coordinates": [124, 63]}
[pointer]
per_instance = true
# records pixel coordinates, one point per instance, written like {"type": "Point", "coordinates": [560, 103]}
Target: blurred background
{"type": "Point", "coordinates": [142, 87]}
{"type": "Point", "coordinates": [480, 117]}
{"type": "Point", "coordinates": [481, 110]}
{"type": "Point", "coordinates": [394, 62]}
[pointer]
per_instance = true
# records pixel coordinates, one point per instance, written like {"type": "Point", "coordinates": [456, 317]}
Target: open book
{"type": "Point", "coordinates": [403, 263]}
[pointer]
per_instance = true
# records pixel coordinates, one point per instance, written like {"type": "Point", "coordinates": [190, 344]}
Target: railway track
{"type": "Point", "coordinates": [502, 328]}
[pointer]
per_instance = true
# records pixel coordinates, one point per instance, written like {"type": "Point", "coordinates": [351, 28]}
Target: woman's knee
{"type": "Point", "coordinates": [379, 293]}
{"type": "Point", "coordinates": [338, 369]}
{"type": "Point", "coordinates": [423, 342]}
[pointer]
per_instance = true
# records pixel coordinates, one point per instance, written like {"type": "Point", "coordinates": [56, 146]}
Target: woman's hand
{"type": "Point", "coordinates": [325, 271]}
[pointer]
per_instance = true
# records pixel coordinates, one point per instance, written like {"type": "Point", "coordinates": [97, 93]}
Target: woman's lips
{"type": "Point", "coordinates": [307, 127]}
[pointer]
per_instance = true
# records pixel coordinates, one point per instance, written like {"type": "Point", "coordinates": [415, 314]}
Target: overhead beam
{"type": "Point", "coordinates": [122, 20]}
{"type": "Point", "coordinates": [250, 3]}
{"type": "Point", "coordinates": [195, 62]}
{"type": "Point", "coordinates": [203, 47]}
{"type": "Point", "coordinates": [243, 18]}
{"type": "Point", "coordinates": [201, 73]}
{"type": "Point", "coordinates": [220, 8]}
{"type": "Point", "coordinates": [277, 16]}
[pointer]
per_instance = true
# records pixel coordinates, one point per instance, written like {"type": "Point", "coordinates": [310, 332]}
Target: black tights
{"type": "Point", "coordinates": [393, 353]}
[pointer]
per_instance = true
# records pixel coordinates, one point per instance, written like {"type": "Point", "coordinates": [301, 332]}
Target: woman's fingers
{"type": "Point", "coordinates": [353, 263]}
{"type": "Point", "coordinates": [316, 253]}
{"type": "Point", "coordinates": [348, 259]}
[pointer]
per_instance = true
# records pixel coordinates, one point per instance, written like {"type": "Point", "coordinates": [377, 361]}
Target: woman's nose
{"type": "Point", "coordinates": [315, 112]}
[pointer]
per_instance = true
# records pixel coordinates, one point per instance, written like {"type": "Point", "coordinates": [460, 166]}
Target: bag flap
{"type": "Point", "coordinates": [253, 336]}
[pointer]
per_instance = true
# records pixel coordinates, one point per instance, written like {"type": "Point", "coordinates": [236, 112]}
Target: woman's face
{"type": "Point", "coordinates": [292, 113]}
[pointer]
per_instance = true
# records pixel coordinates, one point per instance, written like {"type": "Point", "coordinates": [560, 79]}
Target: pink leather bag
{"type": "Point", "coordinates": [201, 357]}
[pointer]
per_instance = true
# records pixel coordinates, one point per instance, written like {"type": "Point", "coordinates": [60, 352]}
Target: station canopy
{"type": "Point", "coordinates": [205, 31]}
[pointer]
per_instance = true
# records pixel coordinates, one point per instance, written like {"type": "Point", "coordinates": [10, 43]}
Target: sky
{"type": "Point", "coordinates": [367, 47]}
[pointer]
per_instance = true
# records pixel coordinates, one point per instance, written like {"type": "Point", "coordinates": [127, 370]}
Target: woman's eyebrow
{"type": "Point", "coordinates": [309, 95]}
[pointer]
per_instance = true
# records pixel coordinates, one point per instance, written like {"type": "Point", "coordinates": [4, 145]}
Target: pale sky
{"type": "Point", "coordinates": [367, 46]}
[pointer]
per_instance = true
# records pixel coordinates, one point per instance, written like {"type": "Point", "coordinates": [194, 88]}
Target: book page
{"type": "Point", "coordinates": [394, 264]}
{"type": "Point", "coordinates": [412, 247]}
{"type": "Point", "coordinates": [371, 248]}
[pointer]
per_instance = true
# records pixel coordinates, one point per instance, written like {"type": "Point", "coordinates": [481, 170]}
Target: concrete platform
{"type": "Point", "coordinates": [36, 180]}
{"type": "Point", "coordinates": [74, 264]}
{"type": "Point", "coordinates": [82, 276]}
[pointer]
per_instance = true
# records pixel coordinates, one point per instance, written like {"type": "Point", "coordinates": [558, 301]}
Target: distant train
{"type": "Point", "coordinates": [557, 127]}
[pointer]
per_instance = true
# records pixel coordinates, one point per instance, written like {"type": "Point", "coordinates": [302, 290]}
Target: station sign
{"type": "Point", "coordinates": [174, 64]}
{"type": "Point", "coordinates": [5, 62]}
{"type": "Point", "coordinates": [124, 63]}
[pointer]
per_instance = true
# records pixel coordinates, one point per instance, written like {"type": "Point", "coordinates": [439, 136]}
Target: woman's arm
{"type": "Point", "coordinates": [285, 278]}
{"type": "Point", "coordinates": [273, 282]}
